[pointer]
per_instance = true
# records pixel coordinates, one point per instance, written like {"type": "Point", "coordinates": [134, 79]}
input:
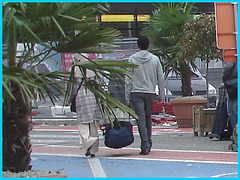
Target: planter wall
{"type": "Point", "coordinates": [183, 109]}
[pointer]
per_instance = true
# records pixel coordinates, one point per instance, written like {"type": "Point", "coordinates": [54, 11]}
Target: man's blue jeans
{"type": "Point", "coordinates": [142, 105]}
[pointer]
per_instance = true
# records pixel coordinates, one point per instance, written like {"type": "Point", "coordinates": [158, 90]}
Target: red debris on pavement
{"type": "Point", "coordinates": [159, 108]}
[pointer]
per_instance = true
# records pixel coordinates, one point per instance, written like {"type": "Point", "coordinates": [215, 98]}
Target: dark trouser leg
{"type": "Point", "coordinates": [232, 111]}
{"type": "Point", "coordinates": [220, 120]}
{"type": "Point", "coordinates": [148, 109]}
{"type": "Point", "coordinates": [142, 105]}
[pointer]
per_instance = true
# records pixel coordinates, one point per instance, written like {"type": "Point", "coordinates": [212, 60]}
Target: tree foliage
{"type": "Point", "coordinates": [166, 32]}
{"type": "Point", "coordinates": [199, 39]}
{"type": "Point", "coordinates": [180, 36]}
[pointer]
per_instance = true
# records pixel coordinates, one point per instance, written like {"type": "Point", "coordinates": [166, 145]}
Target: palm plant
{"type": "Point", "coordinates": [165, 32]}
{"type": "Point", "coordinates": [57, 27]}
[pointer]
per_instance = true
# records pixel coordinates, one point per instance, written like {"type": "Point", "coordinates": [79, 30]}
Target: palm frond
{"type": "Point", "coordinates": [60, 28]}
{"type": "Point", "coordinates": [102, 68]}
{"type": "Point", "coordinates": [109, 103]}
{"type": "Point", "coordinates": [30, 82]}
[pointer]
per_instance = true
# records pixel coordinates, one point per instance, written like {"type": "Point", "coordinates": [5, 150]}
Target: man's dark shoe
{"type": "Point", "coordinates": [87, 153]}
{"type": "Point", "coordinates": [144, 152]}
{"type": "Point", "coordinates": [215, 137]}
{"type": "Point", "coordinates": [92, 155]}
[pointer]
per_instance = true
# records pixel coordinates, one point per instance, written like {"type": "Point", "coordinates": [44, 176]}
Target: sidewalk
{"type": "Point", "coordinates": [176, 153]}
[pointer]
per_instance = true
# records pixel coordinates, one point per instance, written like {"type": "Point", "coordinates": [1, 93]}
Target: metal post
{"type": "Point", "coordinates": [235, 6]}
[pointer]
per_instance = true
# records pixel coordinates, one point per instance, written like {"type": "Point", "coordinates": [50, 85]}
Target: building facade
{"type": "Point", "coordinates": [131, 18]}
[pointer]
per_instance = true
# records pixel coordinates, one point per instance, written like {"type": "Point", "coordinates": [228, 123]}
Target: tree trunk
{"type": "Point", "coordinates": [16, 142]}
{"type": "Point", "coordinates": [186, 77]}
{"type": "Point", "coordinates": [207, 84]}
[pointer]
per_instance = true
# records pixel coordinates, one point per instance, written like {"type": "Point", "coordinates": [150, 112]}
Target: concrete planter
{"type": "Point", "coordinates": [183, 109]}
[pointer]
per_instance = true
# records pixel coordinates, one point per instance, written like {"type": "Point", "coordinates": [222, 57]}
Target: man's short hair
{"type": "Point", "coordinates": [143, 43]}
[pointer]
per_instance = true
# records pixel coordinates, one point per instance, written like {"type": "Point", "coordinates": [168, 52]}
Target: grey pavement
{"type": "Point", "coordinates": [182, 139]}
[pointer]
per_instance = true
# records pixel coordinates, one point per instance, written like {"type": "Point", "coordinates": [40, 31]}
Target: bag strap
{"type": "Point", "coordinates": [79, 87]}
{"type": "Point", "coordinates": [77, 90]}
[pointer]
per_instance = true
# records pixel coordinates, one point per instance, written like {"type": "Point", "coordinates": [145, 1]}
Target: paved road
{"type": "Point", "coordinates": [163, 138]}
{"type": "Point", "coordinates": [176, 153]}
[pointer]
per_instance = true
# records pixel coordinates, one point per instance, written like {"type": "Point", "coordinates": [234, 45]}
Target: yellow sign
{"type": "Point", "coordinates": [124, 18]}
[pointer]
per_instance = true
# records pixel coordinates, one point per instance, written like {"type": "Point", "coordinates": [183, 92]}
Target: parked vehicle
{"type": "Point", "coordinates": [198, 84]}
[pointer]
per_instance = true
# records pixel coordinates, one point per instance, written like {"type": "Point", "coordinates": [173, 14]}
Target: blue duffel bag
{"type": "Point", "coordinates": [118, 136]}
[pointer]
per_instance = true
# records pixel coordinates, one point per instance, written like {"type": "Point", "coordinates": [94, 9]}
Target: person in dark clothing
{"type": "Point", "coordinates": [221, 127]}
{"type": "Point", "coordinates": [226, 112]}
{"type": "Point", "coordinates": [230, 79]}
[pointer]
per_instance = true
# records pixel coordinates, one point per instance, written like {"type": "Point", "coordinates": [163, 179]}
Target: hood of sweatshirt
{"type": "Point", "coordinates": [142, 56]}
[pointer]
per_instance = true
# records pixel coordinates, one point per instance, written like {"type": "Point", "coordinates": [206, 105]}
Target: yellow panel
{"type": "Point", "coordinates": [117, 18]}
{"type": "Point", "coordinates": [124, 18]}
{"type": "Point", "coordinates": [143, 17]}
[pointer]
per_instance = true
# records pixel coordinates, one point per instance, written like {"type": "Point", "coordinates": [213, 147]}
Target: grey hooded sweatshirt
{"type": "Point", "coordinates": [146, 76]}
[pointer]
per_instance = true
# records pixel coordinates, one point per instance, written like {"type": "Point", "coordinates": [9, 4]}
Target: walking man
{"type": "Point", "coordinates": [140, 90]}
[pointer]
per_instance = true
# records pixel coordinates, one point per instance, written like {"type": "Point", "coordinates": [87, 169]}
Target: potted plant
{"type": "Point", "coordinates": [198, 41]}
{"type": "Point", "coordinates": [58, 27]}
